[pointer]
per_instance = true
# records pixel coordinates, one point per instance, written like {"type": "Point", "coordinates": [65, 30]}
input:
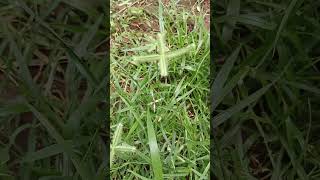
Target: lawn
{"type": "Point", "coordinates": [265, 91]}
{"type": "Point", "coordinates": [164, 119]}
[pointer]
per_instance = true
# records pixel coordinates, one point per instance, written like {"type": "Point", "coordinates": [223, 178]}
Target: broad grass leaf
{"type": "Point", "coordinates": [154, 150]}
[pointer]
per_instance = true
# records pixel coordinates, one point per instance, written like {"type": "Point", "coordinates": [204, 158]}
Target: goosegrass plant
{"type": "Point", "coordinates": [167, 123]}
{"type": "Point", "coordinates": [164, 53]}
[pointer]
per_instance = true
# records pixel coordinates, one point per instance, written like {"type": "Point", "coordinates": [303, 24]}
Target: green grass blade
{"type": "Point", "coordinates": [232, 10]}
{"type": "Point", "coordinates": [117, 134]}
{"type": "Point", "coordinates": [217, 99]}
{"type": "Point", "coordinates": [254, 21]}
{"type": "Point", "coordinates": [224, 116]}
{"type": "Point", "coordinates": [154, 150]}
{"type": "Point", "coordinates": [45, 152]}
{"type": "Point", "coordinates": [4, 155]}
{"type": "Point", "coordinates": [279, 31]}
{"type": "Point", "coordinates": [82, 47]}
{"type": "Point", "coordinates": [138, 175]}
{"type": "Point", "coordinates": [46, 123]}
{"type": "Point", "coordinates": [284, 20]}
{"type": "Point", "coordinates": [222, 76]}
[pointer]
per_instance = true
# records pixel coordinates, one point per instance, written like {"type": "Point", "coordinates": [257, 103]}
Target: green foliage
{"type": "Point", "coordinates": [265, 90]}
{"type": "Point", "coordinates": [52, 63]}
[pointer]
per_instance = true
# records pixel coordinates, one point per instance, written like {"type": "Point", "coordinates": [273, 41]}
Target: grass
{"type": "Point", "coordinates": [265, 90]}
{"type": "Point", "coordinates": [167, 122]}
{"type": "Point", "coordinates": [52, 95]}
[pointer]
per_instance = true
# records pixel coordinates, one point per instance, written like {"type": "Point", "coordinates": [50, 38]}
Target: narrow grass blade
{"type": "Point", "coordinates": [117, 134]}
{"type": "Point", "coordinates": [4, 155]}
{"type": "Point", "coordinates": [279, 31]}
{"type": "Point", "coordinates": [46, 123]}
{"type": "Point", "coordinates": [305, 87]}
{"type": "Point", "coordinates": [232, 10]}
{"type": "Point", "coordinates": [220, 80]}
{"type": "Point", "coordinates": [254, 21]}
{"type": "Point", "coordinates": [16, 132]}
{"type": "Point", "coordinates": [217, 99]}
{"type": "Point", "coordinates": [12, 109]}
{"type": "Point", "coordinates": [138, 175]}
{"type": "Point", "coordinates": [204, 175]}
{"type": "Point", "coordinates": [294, 160]}
{"type": "Point", "coordinates": [285, 19]}
{"type": "Point", "coordinates": [222, 117]}
{"type": "Point", "coordinates": [44, 153]}
{"type": "Point", "coordinates": [81, 49]}
{"type": "Point", "coordinates": [154, 150]}
{"type": "Point", "coordinates": [24, 72]}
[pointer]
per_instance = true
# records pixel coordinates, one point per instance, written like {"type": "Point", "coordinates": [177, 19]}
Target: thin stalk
{"type": "Point", "coordinates": [156, 57]}
{"type": "Point", "coordinates": [163, 64]}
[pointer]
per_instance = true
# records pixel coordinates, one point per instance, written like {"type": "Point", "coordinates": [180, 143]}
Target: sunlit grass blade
{"type": "Point", "coordinates": [117, 134]}
{"type": "Point", "coordinates": [154, 150]}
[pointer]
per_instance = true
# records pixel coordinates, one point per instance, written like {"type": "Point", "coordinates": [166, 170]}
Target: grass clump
{"type": "Point", "coordinates": [167, 123]}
